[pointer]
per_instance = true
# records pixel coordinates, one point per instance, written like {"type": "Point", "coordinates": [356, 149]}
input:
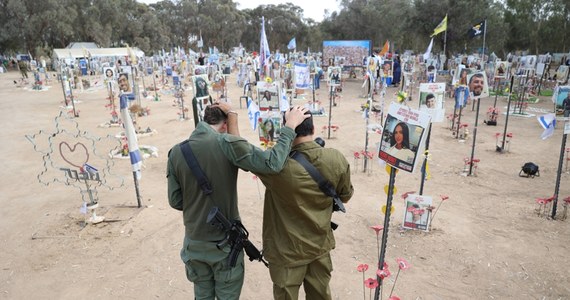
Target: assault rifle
{"type": "Point", "coordinates": [236, 236]}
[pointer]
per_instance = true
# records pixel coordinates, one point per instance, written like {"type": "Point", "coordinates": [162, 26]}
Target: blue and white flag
{"type": "Point", "coordinates": [548, 122]}
{"type": "Point", "coordinates": [284, 103]}
{"type": "Point", "coordinates": [292, 44]}
{"type": "Point", "coordinates": [134, 153]}
{"type": "Point", "coordinates": [264, 52]}
{"type": "Point", "coordinates": [90, 169]}
{"type": "Point", "coordinates": [252, 113]}
{"type": "Point", "coordinates": [302, 76]}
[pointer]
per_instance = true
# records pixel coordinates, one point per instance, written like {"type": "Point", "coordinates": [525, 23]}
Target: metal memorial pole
{"type": "Point", "coordinates": [474, 137]}
{"type": "Point", "coordinates": [382, 257]}
{"type": "Point", "coordinates": [557, 185]}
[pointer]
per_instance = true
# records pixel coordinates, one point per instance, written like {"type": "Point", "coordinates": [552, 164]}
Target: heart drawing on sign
{"type": "Point", "coordinates": [71, 156]}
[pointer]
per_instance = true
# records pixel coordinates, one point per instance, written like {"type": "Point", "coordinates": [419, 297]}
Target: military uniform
{"type": "Point", "coordinates": [219, 156]}
{"type": "Point", "coordinates": [297, 234]}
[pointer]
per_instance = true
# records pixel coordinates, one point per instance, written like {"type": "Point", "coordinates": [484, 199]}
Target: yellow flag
{"type": "Point", "coordinates": [385, 49]}
{"type": "Point", "coordinates": [441, 27]}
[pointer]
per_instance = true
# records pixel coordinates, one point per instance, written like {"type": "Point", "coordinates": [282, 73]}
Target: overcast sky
{"type": "Point", "coordinates": [312, 9]}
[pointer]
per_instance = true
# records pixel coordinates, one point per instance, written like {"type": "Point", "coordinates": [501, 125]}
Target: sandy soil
{"type": "Point", "coordinates": [486, 242]}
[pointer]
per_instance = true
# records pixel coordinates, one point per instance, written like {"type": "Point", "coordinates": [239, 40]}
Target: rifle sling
{"type": "Point", "coordinates": [324, 185]}
{"type": "Point", "coordinates": [195, 167]}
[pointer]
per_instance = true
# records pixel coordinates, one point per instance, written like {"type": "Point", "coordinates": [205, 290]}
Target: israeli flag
{"type": "Point", "coordinates": [292, 44]}
{"type": "Point", "coordinates": [284, 103]}
{"type": "Point", "coordinates": [134, 153]}
{"type": "Point", "coordinates": [90, 169]}
{"type": "Point", "coordinates": [252, 113]}
{"type": "Point", "coordinates": [548, 122]}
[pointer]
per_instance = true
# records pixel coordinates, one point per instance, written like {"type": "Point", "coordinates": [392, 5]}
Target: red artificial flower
{"type": "Point", "coordinates": [385, 273]}
{"type": "Point", "coordinates": [540, 201]}
{"type": "Point", "coordinates": [444, 197]}
{"type": "Point", "coordinates": [377, 228]}
{"type": "Point", "coordinates": [402, 264]}
{"type": "Point", "coordinates": [405, 195]}
{"type": "Point", "coordinates": [566, 200]}
{"type": "Point", "coordinates": [371, 283]}
{"type": "Point", "coordinates": [394, 298]}
{"type": "Point", "coordinates": [356, 155]}
{"type": "Point", "coordinates": [362, 268]}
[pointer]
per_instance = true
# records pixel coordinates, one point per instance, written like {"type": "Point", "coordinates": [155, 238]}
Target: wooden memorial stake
{"type": "Point", "coordinates": [332, 95]}
{"type": "Point", "coordinates": [424, 166]}
{"type": "Point", "coordinates": [75, 115]}
{"type": "Point", "coordinates": [154, 83]}
{"type": "Point", "coordinates": [458, 122]}
{"type": "Point", "coordinates": [367, 117]}
{"type": "Point", "coordinates": [382, 256]}
{"type": "Point", "coordinates": [63, 81]}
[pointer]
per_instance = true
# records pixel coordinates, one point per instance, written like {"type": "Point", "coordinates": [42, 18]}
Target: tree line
{"type": "Point", "coordinates": [536, 26]}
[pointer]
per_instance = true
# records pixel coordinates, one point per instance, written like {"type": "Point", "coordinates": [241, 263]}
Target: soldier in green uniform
{"type": "Point", "coordinates": [220, 152]}
{"type": "Point", "coordinates": [297, 233]}
{"type": "Point", "coordinates": [23, 69]}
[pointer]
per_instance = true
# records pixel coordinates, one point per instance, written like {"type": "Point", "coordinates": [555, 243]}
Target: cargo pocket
{"type": "Point", "coordinates": [191, 273]}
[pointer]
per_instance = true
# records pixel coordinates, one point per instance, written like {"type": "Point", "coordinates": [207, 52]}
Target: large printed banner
{"type": "Point", "coordinates": [402, 137]}
{"type": "Point", "coordinates": [346, 53]}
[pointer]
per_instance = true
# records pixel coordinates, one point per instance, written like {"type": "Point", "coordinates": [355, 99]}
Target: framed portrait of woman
{"type": "Point", "coordinates": [501, 69]}
{"type": "Point", "coordinates": [402, 137]}
{"type": "Point", "coordinates": [200, 86]}
{"type": "Point", "coordinates": [268, 95]}
{"type": "Point", "coordinates": [269, 128]}
{"type": "Point", "coordinates": [417, 212]}
{"type": "Point", "coordinates": [108, 74]}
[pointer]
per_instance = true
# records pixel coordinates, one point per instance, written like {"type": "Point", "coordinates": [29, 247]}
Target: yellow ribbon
{"type": "Point", "coordinates": [428, 174]}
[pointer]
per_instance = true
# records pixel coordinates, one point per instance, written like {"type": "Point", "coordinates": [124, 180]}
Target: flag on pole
{"type": "Point", "coordinates": [441, 27]}
{"type": "Point", "coordinates": [548, 122]}
{"type": "Point", "coordinates": [263, 48]}
{"type": "Point", "coordinates": [292, 44]}
{"type": "Point", "coordinates": [385, 49]}
{"type": "Point", "coordinates": [477, 29]}
{"type": "Point", "coordinates": [284, 103]}
{"type": "Point", "coordinates": [134, 153]}
{"type": "Point", "coordinates": [252, 113]}
{"type": "Point", "coordinates": [428, 51]}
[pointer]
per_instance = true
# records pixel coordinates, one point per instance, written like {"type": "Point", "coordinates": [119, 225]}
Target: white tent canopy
{"type": "Point", "coordinates": [64, 53]}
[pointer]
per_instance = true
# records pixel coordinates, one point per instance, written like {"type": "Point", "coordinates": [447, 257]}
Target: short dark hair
{"type": "Point", "coordinates": [306, 127]}
{"type": "Point", "coordinates": [429, 96]}
{"type": "Point", "coordinates": [214, 115]}
{"type": "Point", "coordinates": [479, 75]}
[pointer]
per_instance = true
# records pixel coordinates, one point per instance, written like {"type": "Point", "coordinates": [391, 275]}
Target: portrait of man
{"type": "Point", "coordinates": [478, 85]}
{"type": "Point", "coordinates": [124, 83]}
{"type": "Point", "coordinates": [387, 68]}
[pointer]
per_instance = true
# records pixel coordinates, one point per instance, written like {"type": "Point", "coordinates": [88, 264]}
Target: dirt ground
{"type": "Point", "coordinates": [486, 242]}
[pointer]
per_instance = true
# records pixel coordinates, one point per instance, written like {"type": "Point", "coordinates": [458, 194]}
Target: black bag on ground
{"type": "Point", "coordinates": [529, 169]}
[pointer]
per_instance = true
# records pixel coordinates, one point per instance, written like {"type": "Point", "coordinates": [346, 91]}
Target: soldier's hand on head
{"type": "Point", "coordinates": [295, 116]}
{"type": "Point", "coordinates": [224, 106]}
